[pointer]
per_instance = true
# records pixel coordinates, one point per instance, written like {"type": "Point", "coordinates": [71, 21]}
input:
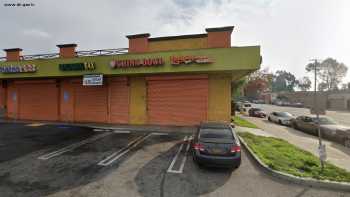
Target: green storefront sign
{"type": "Point", "coordinates": [77, 66]}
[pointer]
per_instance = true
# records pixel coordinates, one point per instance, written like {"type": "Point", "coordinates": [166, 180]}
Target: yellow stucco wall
{"type": "Point", "coordinates": [219, 101]}
{"type": "Point", "coordinates": [167, 45]}
{"type": "Point", "coordinates": [138, 93]}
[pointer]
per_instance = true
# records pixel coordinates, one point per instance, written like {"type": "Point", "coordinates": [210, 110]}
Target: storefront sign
{"type": "Point", "coordinates": [78, 66]}
{"type": "Point", "coordinates": [178, 60]}
{"type": "Point", "coordinates": [131, 63]}
{"type": "Point", "coordinates": [29, 68]}
{"type": "Point", "coordinates": [93, 80]}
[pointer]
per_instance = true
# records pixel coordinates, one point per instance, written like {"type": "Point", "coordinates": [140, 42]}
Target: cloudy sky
{"type": "Point", "coordinates": [290, 32]}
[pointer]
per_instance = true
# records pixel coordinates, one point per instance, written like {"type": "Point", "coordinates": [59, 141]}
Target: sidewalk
{"type": "Point", "coordinates": [111, 126]}
{"type": "Point", "coordinates": [336, 153]}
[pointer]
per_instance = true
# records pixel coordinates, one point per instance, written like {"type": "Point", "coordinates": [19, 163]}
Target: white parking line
{"type": "Point", "coordinates": [121, 131]}
{"type": "Point", "coordinates": [185, 157]}
{"type": "Point", "coordinates": [170, 169]}
{"type": "Point", "coordinates": [73, 146]}
{"type": "Point", "coordinates": [115, 156]}
{"type": "Point", "coordinates": [99, 130]}
{"type": "Point", "coordinates": [155, 133]}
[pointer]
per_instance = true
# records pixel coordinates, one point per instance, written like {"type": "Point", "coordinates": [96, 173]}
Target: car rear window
{"type": "Point", "coordinates": [284, 114]}
{"type": "Point", "coordinates": [216, 133]}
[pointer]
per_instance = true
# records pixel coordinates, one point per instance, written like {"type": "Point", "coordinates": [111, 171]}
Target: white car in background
{"type": "Point", "coordinates": [282, 118]}
{"type": "Point", "coordinates": [245, 108]}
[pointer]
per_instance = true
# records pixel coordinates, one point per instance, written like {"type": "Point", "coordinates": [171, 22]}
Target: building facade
{"type": "Point", "coordinates": [176, 80]}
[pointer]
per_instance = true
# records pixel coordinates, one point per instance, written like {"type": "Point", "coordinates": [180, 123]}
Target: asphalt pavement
{"type": "Point", "coordinates": [46, 160]}
{"type": "Point", "coordinates": [342, 117]}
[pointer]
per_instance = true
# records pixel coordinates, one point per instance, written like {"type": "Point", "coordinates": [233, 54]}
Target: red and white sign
{"type": "Point", "coordinates": [131, 63]}
{"type": "Point", "coordinates": [190, 59]}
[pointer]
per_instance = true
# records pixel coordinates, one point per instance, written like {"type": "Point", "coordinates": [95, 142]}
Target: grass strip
{"type": "Point", "coordinates": [282, 156]}
{"type": "Point", "coordinates": [242, 122]}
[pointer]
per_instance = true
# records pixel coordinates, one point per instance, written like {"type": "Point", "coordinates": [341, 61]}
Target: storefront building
{"type": "Point", "coordinates": [176, 80]}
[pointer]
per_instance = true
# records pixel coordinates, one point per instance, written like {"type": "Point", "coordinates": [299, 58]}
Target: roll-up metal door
{"type": "Point", "coordinates": [177, 100]}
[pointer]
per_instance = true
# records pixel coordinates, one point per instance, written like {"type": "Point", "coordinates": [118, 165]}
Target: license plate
{"type": "Point", "coordinates": [216, 150]}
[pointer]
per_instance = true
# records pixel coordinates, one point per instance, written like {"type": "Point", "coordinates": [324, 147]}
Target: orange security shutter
{"type": "Point", "coordinates": [38, 100]}
{"type": "Point", "coordinates": [90, 103]}
{"type": "Point", "coordinates": [177, 100]}
{"type": "Point", "coordinates": [118, 100]}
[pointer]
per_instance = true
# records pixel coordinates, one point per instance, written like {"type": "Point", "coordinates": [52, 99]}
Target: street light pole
{"type": "Point", "coordinates": [320, 145]}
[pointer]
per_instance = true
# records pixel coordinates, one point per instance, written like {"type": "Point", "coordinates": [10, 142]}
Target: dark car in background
{"type": "Point", "coordinates": [256, 112]}
{"type": "Point", "coordinates": [216, 144]}
{"type": "Point", "coordinates": [329, 128]}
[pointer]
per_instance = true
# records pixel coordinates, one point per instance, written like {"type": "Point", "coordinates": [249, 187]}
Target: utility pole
{"type": "Point", "coordinates": [321, 147]}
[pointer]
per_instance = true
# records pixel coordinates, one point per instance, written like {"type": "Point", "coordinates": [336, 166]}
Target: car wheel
{"type": "Point", "coordinates": [269, 119]}
{"type": "Point", "coordinates": [295, 126]}
{"type": "Point", "coordinates": [280, 122]}
{"type": "Point", "coordinates": [347, 143]}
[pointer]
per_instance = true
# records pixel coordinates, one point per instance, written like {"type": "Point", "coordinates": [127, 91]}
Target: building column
{"type": "Point", "coordinates": [138, 101]}
{"type": "Point", "coordinates": [219, 101]}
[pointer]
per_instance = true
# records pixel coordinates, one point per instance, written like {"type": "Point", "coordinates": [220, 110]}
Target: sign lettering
{"type": "Point", "coordinates": [77, 66]}
{"type": "Point", "coordinates": [190, 59]}
{"type": "Point", "coordinates": [29, 68]}
{"type": "Point", "coordinates": [93, 80]}
{"type": "Point", "coordinates": [131, 63]}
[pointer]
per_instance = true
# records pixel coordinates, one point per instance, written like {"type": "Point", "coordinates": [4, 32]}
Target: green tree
{"type": "Point", "coordinates": [330, 73]}
{"type": "Point", "coordinates": [257, 83]}
{"type": "Point", "coordinates": [304, 83]}
{"type": "Point", "coordinates": [237, 87]}
{"type": "Point", "coordinates": [283, 81]}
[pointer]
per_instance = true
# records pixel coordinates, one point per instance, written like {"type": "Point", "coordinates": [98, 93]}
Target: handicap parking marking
{"type": "Point", "coordinates": [182, 165]}
{"type": "Point", "coordinates": [73, 146]}
{"type": "Point", "coordinates": [117, 155]}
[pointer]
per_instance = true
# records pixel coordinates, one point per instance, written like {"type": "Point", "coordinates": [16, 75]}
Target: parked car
{"type": "Point", "coordinates": [216, 144]}
{"type": "Point", "coordinates": [256, 112]}
{"type": "Point", "coordinates": [277, 102]}
{"type": "Point", "coordinates": [285, 103]}
{"type": "Point", "coordinates": [329, 128]}
{"type": "Point", "coordinates": [245, 108]}
{"type": "Point", "coordinates": [297, 104]}
{"type": "Point", "coordinates": [259, 101]}
{"type": "Point", "coordinates": [283, 118]}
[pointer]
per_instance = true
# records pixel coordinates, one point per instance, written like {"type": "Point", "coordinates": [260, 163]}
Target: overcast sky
{"type": "Point", "coordinates": [290, 32]}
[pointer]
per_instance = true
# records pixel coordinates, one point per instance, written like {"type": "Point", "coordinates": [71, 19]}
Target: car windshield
{"type": "Point", "coordinates": [216, 133]}
{"type": "Point", "coordinates": [257, 109]}
{"type": "Point", "coordinates": [247, 105]}
{"type": "Point", "coordinates": [325, 121]}
{"type": "Point", "coordinates": [284, 114]}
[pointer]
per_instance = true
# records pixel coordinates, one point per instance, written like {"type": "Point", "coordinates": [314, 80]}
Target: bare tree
{"type": "Point", "coordinates": [329, 72]}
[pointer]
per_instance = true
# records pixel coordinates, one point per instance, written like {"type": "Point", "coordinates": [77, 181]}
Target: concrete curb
{"type": "Point", "coordinates": [298, 180]}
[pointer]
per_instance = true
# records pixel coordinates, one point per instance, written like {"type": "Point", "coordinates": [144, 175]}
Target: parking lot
{"type": "Point", "coordinates": [58, 160]}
